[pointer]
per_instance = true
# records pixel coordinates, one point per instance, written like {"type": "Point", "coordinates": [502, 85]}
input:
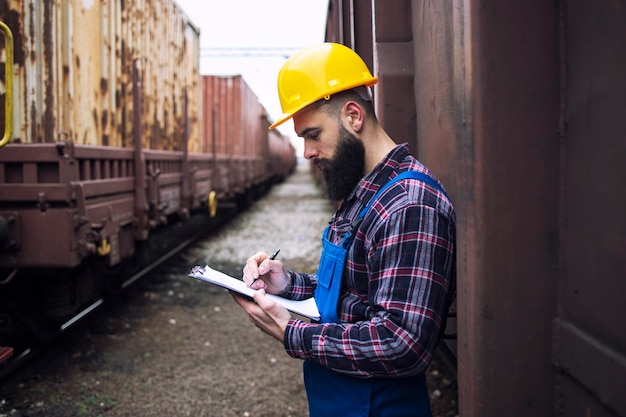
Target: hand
{"type": "Point", "coordinates": [268, 316]}
{"type": "Point", "coordinates": [271, 274]}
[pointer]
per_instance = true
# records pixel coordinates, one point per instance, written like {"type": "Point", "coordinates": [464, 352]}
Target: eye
{"type": "Point", "coordinates": [313, 135]}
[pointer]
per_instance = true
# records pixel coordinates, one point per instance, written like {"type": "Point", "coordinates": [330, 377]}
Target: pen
{"type": "Point", "coordinates": [272, 257]}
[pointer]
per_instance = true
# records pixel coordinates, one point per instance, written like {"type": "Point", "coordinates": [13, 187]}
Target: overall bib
{"type": "Point", "coordinates": [330, 393]}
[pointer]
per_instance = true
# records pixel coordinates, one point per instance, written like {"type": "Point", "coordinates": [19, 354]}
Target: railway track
{"type": "Point", "coordinates": [12, 359]}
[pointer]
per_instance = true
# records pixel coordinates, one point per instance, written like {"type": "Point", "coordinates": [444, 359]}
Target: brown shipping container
{"type": "Point", "coordinates": [518, 108]}
{"type": "Point", "coordinates": [234, 126]}
{"type": "Point", "coordinates": [282, 154]}
{"type": "Point", "coordinates": [73, 73]}
{"type": "Point", "coordinates": [214, 123]}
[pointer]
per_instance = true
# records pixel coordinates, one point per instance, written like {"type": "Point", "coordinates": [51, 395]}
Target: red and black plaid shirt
{"type": "Point", "coordinates": [398, 282]}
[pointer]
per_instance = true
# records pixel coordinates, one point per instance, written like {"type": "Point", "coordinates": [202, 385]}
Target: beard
{"type": "Point", "coordinates": [344, 171]}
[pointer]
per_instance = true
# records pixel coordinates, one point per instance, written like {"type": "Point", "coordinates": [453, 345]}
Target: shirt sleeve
{"type": "Point", "coordinates": [302, 285]}
{"type": "Point", "coordinates": [410, 259]}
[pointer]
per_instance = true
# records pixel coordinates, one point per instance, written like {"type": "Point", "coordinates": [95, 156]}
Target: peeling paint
{"type": "Point", "coordinates": [77, 78]}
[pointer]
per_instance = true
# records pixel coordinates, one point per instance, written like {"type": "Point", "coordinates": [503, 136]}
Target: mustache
{"type": "Point", "coordinates": [322, 163]}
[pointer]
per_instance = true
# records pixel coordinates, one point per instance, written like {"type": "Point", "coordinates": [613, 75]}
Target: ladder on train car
{"type": "Point", "coordinates": [5, 351]}
{"type": "Point", "coordinates": [8, 84]}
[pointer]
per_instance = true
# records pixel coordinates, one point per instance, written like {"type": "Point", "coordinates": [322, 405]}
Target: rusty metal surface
{"type": "Point", "coordinates": [235, 131]}
{"type": "Point", "coordinates": [62, 203]}
{"type": "Point", "coordinates": [107, 161]}
{"type": "Point", "coordinates": [214, 125]}
{"type": "Point", "coordinates": [53, 195]}
{"type": "Point", "coordinates": [518, 108]}
{"type": "Point", "coordinates": [395, 68]}
{"type": "Point", "coordinates": [593, 267]}
{"type": "Point", "coordinates": [73, 71]}
{"type": "Point", "coordinates": [436, 112]}
{"type": "Point", "coordinates": [508, 164]}
{"type": "Point", "coordinates": [281, 158]}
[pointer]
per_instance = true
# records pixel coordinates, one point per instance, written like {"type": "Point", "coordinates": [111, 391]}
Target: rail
{"type": "Point", "coordinates": [11, 360]}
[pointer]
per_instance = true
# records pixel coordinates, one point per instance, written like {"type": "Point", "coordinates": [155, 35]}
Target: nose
{"type": "Point", "coordinates": [310, 151]}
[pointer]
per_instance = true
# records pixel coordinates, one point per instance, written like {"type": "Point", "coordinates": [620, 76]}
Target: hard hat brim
{"type": "Point", "coordinates": [287, 116]}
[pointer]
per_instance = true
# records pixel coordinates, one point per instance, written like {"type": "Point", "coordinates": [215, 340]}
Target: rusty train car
{"type": "Point", "coordinates": [116, 148]}
{"type": "Point", "coordinates": [519, 108]}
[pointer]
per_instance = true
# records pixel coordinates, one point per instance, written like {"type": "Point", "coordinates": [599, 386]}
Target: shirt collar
{"type": "Point", "coordinates": [372, 181]}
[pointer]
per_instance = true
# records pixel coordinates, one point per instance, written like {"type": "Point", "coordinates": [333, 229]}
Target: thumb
{"type": "Point", "coordinates": [268, 305]}
{"type": "Point", "coordinates": [260, 297]}
{"type": "Point", "coordinates": [265, 267]}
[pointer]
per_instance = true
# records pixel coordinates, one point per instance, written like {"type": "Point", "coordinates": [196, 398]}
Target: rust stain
{"type": "Point", "coordinates": [156, 31]}
{"type": "Point", "coordinates": [48, 117]}
{"type": "Point", "coordinates": [12, 19]}
{"type": "Point", "coordinates": [94, 114]}
{"type": "Point", "coordinates": [104, 118]}
{"type": "Point", "coordinates": [31, 30]}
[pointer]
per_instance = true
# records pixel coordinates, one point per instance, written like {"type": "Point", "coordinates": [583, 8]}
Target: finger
{"type": "Point", "coordinates": [267, 319]}
{"type": "Point", "coordinates": [259, 284]}
{"type": "Point", "coordinates": [244, 301]}
{"type": "Point", "coordinates": [264, 267]}
{"type": "Point", "coordinates": [248, 274]}
{"type": "Point", "coordinates": [275, 318]}
{"type": "Point", "coordinates": [255, 313]}
{"type": "Point", "coordinates": [269, 265]}
{"type": "Point", "coordinates": [261, 299]}
{"type": "Point", "coordinates": [270, 308]}
{"type": "Point", "coordinates": [251, 269]}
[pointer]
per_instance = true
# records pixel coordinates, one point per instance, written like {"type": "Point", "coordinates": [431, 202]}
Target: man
{"type": "Point", "coordinates": [386, 273]}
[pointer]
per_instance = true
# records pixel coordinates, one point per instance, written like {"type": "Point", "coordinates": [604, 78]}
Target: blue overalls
{"type": "Point", "coordinates": [330, 393]}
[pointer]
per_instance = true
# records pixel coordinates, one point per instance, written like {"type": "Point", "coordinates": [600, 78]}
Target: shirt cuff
{"type": "Point", "coordinates": [294, 341]}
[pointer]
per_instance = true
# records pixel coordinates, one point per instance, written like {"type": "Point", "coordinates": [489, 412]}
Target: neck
{"type": "Point", "coordinates": [377, 147]}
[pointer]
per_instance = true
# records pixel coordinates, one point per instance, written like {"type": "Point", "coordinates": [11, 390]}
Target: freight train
{"type": "Point", "coordinates": [519, 108]}
{"type": "Point", "coordinates": [116, 149]}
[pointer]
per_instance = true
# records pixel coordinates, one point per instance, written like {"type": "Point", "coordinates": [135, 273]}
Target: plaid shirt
{"type": "Point", "coordinates": [397, 284]}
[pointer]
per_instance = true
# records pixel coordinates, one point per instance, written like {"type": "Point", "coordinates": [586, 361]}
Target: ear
{"type": "Point", "coordinates": [354, 115]}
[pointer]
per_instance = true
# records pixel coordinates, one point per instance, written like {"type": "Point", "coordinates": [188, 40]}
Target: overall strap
{"type": "Point", "coordinates": [402, 176]}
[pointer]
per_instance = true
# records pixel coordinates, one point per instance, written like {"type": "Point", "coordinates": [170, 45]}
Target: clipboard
{"type": "Point", "coordinates": [306, 308]}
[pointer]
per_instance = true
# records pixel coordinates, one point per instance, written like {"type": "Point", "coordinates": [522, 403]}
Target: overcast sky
{"type": "Point", "coordinates": [258, 36]}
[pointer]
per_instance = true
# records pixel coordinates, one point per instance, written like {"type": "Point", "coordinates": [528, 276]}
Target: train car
{"type": "Point", "coordinates": [233, 117]}
{"type": "Point", "coordinates": [518, 108]}
{"type": "Point", "coordinates": [282, 159]}
{"type": "Point", "coordinates": [105, 164]}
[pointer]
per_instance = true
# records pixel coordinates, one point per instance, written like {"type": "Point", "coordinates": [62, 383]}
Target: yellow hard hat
{"type": "Point", "coordinates": [318, 72]}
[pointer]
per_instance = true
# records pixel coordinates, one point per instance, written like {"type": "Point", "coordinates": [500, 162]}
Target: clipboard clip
{"type": "Point", "coordinates": [197, 270]}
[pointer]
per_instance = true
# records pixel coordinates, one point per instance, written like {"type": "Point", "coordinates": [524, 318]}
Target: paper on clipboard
{"type": "Point", "coordinates": [306, 308]}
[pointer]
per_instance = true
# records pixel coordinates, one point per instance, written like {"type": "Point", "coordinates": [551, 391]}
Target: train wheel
{"type": "Point", "coordinates": [31, 313]}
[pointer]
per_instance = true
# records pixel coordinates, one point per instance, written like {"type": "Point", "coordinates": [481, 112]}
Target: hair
{"type": "Point", "coordinates": [360, 95]}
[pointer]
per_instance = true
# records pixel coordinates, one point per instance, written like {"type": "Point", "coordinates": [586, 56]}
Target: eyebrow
{"type": "Point", "coordinates": [307, 131]}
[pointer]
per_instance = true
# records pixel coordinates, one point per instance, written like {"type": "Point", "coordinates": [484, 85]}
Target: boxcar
{"type": "Point", "coordinates": [235, 130]}
{"type": "Point", "coordinates": [95, 97]}
{"type": "Point", "coordinates": [518, 107]}
{"type": "Point", "coordinates": [103, 110]}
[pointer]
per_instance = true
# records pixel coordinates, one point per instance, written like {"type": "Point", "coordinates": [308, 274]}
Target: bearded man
{"type": "Point", "coordinates": [386, 276]}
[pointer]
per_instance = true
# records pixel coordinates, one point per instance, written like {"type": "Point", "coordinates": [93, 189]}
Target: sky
{"type": "Point", "coordinates": [253, 38]}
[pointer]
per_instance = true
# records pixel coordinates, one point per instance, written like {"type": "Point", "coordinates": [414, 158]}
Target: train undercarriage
{"type": "Point", "coordinates": [74, 231]}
